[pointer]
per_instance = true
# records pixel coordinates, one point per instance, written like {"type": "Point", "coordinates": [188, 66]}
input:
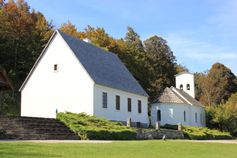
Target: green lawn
{"type": "Point", "coordinates": [122, 149]}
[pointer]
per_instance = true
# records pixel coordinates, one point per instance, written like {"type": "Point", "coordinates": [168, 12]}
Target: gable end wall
{"type": "Point", "coordinates": [70, 88]}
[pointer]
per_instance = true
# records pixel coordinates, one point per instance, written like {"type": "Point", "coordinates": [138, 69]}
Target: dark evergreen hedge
{"type": "Point", "coordinates": [94, 128]}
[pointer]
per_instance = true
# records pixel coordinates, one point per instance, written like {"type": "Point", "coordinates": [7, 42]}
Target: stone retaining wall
{"type": "Point", "coordinates": [158, 134]}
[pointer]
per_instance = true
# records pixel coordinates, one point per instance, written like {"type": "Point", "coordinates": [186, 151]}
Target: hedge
{"type": "Point", "coordinates": [198, 133]}
{"type": "Point", "coordinates": [94, 128]}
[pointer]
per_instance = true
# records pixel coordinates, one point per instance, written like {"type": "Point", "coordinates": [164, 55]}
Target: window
{"type": "Point", "coordinates": [55, 67]}
{"type": "Point", "coordinates": [181, 87]}
{"type": "Point", "coordinates": [201, 118]}
{"type": "Point", "coordinates": [196, 117]}
{"type": "Point", "coordinates": [117, 102]}
{"type": "Point", "coordinates": [184, 116]}
{"type": "Point", "coordinates": [139, 106]}
{"type": "Point", "coordinates": [158, 115]}
{"type": "Point", "coordinates": [104, 100]}
{"type": "Point", "coordinates": [188, 86]}
{"type": "Point", "coordinates": [129, 104]}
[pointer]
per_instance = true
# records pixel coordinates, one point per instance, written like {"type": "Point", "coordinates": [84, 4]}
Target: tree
{"type": "Point", "coordinates": [180, 68]}
{"type": "Point", "coordinates": [217, 85]}
{"type": "Point", "coordinates": [69, 29]}
{"type": "Point", "coordinates": [133, 41]}
{"type": "Point", "coordinates": [135, 58]}
{"type": "Point", "coordinates": [23, 34]}
{"type": "Point", "coordinates": [224, 116]}
{"type": "Point", "coordinates": [162, 65]}
{"type": "Point", "coordinates": [200, 80]}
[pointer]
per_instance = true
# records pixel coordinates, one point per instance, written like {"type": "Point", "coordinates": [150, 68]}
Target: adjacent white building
{"type": "Point", "coordinates": [75, 76]}
{"type": "Point", "coordinates": [178, 105]}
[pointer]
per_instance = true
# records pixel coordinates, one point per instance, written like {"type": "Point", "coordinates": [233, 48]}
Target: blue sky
{"type": "Point", "coordinates": [199, 32]}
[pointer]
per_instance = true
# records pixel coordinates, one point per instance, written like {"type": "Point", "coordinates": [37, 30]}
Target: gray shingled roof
{"type": "Point", "coordinates": [174, 95]}
{"type": "Point", "coordinates": [190, 99]}
{"type": "Point", "coordinates": [105, 68]}
{"type": "Point", "coordinates": [168, 96]}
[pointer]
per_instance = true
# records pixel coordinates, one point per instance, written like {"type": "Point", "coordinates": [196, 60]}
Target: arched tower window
{"type": "Point", "coordinates": [188, 86]}
{"type": "Point", "coordinates": [181, 87]}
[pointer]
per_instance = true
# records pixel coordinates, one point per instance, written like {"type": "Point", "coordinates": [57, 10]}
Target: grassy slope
{"type": "Point", "coordinates": [125, 149]}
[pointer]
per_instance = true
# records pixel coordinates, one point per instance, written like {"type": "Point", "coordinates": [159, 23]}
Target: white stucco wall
{"type": "Point", "coordinates": [119, 115]}
{"type": "Point", "coordinates": [68, 89]}
{"type": "Point", "coordinates": [178, 114]}
{"type": "Point", "coordinates": [184, 79]}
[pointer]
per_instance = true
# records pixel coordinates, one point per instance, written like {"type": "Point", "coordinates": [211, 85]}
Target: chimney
{"type": "Point", "coordinates": [87, 40]}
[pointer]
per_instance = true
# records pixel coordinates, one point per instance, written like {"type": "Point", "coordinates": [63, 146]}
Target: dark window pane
{"type": "Point", "coordinates": [184, 116]}
{"type": "Point", "coordinates": [117, 102]}
{"type": "Point", "coordinates": [139, 106]}
{"type": "Point", "coordinates": [129, 104]}
{"type": "Point", "coordinates": [158, 115]}
{"type": "Point", "coordinates": [104, 100]}
{"type": "Point", "coordinates": [55, 67]}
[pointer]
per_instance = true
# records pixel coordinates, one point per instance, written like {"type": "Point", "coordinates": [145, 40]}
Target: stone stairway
{"type": "Point", "coordinates": [30, 128]}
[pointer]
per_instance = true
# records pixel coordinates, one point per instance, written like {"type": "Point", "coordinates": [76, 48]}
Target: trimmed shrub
{"type": "Point", "coordinates": [94, 128]}
{"type": "Point", "coordinates": [198, 133]}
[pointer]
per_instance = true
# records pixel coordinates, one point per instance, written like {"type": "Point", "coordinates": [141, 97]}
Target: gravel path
{"type": "Point", "coordinates": [106, 141]}
{"type": "Point", "coordinates": [212, 141]}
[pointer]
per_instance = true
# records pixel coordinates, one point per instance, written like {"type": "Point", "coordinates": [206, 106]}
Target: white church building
{"type": "Point", "coordinates": [178, 105]}
{"type": "Point", "coordinates": [75, 76]}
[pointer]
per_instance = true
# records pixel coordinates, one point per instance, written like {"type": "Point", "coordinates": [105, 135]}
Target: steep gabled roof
{"type": "Point", "coordinates": [174, 95]}
{"type": "Point", "coordinates": [105, 68]}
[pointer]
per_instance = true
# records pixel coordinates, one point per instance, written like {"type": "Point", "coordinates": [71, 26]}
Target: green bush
{"type": "Point", "coordinates": [198, 133]}
{"type": "Point", "coordinates": [224, 116]}
{"type": "Point", "coordinates": [94, 128]}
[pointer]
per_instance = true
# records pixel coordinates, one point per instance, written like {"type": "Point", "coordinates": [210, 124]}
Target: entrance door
{"type": "Point", "coordinates": [158, 115]}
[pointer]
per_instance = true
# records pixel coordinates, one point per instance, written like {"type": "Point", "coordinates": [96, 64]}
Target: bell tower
{"type": "Point", "coordinates": [185, 81]}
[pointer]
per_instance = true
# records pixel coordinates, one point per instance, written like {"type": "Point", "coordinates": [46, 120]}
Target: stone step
{"type": "Point", "coordinates": [35, 128]}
